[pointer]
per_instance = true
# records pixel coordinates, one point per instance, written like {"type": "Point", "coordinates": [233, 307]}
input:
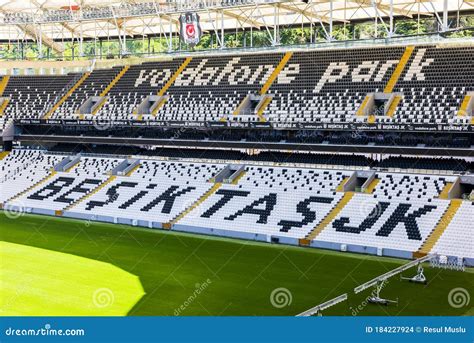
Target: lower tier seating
{"type": "Point", "coordinates": [156, 191]}
{"type": "Point", "coordinates": [64, 188]}
{"type": "Point", "coordinates": [395, 215]}
{"type": "Point", "coordinates": [274, 201]}
{"type": "Point", "coordinates": [22, 169]}
{"type": "Point", "coordinates": [458, 238]}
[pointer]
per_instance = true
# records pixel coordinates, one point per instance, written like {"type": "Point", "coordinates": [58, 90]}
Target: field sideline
{"type": "Point", "coordinates": [233, 277]}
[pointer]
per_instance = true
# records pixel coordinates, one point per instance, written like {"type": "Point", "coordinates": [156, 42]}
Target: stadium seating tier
{"type": "Point", "coordinates": [398, 213]}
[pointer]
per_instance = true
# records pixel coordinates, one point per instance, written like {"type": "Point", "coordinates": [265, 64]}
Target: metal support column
{"type": "Point", "coordinates": [330, 21]}
{"type": "Point", "coordinates": [222, 30]}
{"type": "Point", "coordinates": [445, 25]}
{"type": "Point", "coordinates": [390, 32]}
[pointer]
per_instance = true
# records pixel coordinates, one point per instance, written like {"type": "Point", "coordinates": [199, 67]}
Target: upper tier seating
{"type": "Point", "coordinates": [32, 96]}
{"type": "Point", "coordinates": [95, 83]}
{"type": "Point", "coordinates": [318, 86]}
{"type": "Point", "coordinates": [213, 87]}
{"type": "Point", "coordinates": [433, 84]}
{"type": "Point", "coordinates": [135, 85]}
{"type": "Point", "coordinates": [329, 86]}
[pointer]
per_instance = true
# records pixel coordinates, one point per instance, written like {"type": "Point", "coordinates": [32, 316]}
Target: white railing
{"type": "Point", "coordinates": [317, 309]}
{"type": "Point", "coordinates": [126, 10]}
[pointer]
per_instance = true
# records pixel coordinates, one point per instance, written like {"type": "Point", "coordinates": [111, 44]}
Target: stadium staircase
{"type": "Point", "coordinates": [340, 188]}
{"type": "Point", "coordinates": [198, 202]}
{"type": "Point", "coordinates": [445, 191]}
{"type": "Point", "coordinates": [66, 96]}
{"type": "Point", "coordinates": [238, 177]}
{"type": "Point", "coordinates": [40, 182]}
{"type": "Point", "coordinates": [3, 84]}
{"type": "Point", "coordinates": [438, 231]}
{"type": "Point", "coordinates": [464, 105]}
{"type": "Point", "coordinates": [389, 88]}
{"type": "Point", "coordinates": [85, 196]}
{"type": "Point", "coordinates": [360, 111]}
{"type": "Point", "coordinates": [399, 69]}
{"type": "Point", "coordinates": [393, 81]}
{"type": "Point", "coordinates": [370, 188]}
{"type": "Point", "coordinates": [329, 218]}
{"type": "Point", "coordinates": [264, 89]}
{"type": "Point", "coordinates": [393, 105]}
{"type": "Point", "coordinates": [4, 154]}
{"type": "Point", "coordinates": [165, 88]}
{"type": "Point", "coordinates": [275, 73]}
{"type": "Point", "coordinates": [4, 105]}
{"type": "Point", "coordinates": [174, 76]}
{"type": "Point", "coordinates": [109, 87]}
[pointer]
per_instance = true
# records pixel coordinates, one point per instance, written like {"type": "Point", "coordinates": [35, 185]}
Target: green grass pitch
{"type": "Point", "coordinates": [184, 274]}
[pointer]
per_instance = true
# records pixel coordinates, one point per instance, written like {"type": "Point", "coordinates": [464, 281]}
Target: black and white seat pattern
{"type": "Point", "coordinates": [457, 239]}
{"type": "Point", "coordinates": [32, 96]}
{"type": "Point", "coordinates": [135, 85]}
{"type": "Point", "coordinates": [400, 214]}
{"type": "Point", "coordinates": [212, 88]}
{"type": "Point", "coordinates": [329, 86]}
{"type": "Point", "coordinates": [95, 83]}
{"type": "Point", "coordinates": [156, 191]}
{"type": "Point", "coordinates": [434, 85]}
{"type": "Point", "coordinates": [287, 203]}
{"type": "Point", "coordinates": [66, 187]}
{"type": "Point", "coordinates": [23, 168]}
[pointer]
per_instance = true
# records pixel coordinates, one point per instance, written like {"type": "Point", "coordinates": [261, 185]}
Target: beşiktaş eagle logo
{"type": "Point", "coordinates": [190, 29]}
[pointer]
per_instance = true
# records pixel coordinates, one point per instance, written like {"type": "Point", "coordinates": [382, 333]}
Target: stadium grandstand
{"type": "Point", "coordinates": [342, 125]}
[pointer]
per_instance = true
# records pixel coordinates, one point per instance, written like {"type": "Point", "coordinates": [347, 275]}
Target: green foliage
{"type": "Point", "coordinates": [240, 39]}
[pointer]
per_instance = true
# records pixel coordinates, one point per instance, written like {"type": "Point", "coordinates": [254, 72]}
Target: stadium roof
{"type": "Point", "coordinates": [68, 19]}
